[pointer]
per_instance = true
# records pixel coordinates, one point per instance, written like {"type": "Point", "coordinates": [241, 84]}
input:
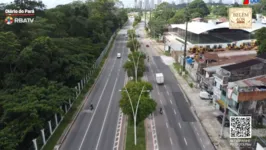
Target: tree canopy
{"type": "Point", "coordinates": [42, 62]}
{"type": "Point", "coordinates": [146, 104]}
{"type": "Point", "coordinates": [167, 13]}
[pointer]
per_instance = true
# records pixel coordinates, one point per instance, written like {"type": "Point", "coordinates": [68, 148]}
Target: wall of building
{"type": "Point", "coordinates": [248, 72]}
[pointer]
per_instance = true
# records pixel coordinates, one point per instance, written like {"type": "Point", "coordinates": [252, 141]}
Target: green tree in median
{"type": "Point", "coordinates": [146, 104]}
{"type": "Point", "coordinates": [130, 67]}
{"type": "Point", "coordinates": [131, 33]}
{"type": "Point", "coordinates": [133, 45]}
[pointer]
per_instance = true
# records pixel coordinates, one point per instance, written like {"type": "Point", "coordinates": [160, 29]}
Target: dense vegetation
{"type": "Point", "coordinates": [167, 13]}
{"type": "Point", "coordinates": [40, 63]}
{"type": "Point", "coordinates": [137, 19]}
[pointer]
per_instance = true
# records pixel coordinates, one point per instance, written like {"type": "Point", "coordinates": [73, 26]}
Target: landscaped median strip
{"type": "Point", "coordinates": [71, 116]}
{"type": "Point", "coordinates": [141, 140]}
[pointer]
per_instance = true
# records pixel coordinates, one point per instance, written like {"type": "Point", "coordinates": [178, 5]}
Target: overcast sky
{"type": "Point", "coordinates": [127, 3]}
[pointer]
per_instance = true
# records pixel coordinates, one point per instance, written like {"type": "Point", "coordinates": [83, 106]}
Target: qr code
{"type": "Point", "coordinates": [240, 126]}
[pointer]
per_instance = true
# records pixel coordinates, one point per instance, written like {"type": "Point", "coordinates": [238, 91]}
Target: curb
{"type": "Point", "coordinates": [84, 101]}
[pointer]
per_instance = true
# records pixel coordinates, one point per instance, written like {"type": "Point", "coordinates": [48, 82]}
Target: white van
{"type": "Point", "coordinates": [118, 55]}
{"type": "Point", "coordinates": [159, 78]}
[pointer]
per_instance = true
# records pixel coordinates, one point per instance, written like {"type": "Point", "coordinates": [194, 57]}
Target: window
{"type": "Point", "coordinates": [223, 93]}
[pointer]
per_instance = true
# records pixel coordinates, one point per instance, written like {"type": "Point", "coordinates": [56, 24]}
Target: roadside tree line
{"type": "Point", "coordinates": [167, 13]}
{"type": "Point", "coordinates": [41, 62]}
{"type": "Point", "coordinates": [136, 102]}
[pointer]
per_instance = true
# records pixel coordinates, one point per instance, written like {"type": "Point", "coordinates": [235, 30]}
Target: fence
{"type": "Point", "coordinates": [51, 126]}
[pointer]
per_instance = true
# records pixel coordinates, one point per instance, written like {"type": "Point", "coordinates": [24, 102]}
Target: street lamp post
{"type": "Point", "coordinates": [134, 62]}
{"type": "Point", "coordinates": [135, 112]}
{"type": "Point", "coordinates": [185, 48]}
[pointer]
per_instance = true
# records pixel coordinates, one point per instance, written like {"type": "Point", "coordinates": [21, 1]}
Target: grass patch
{"type": "Point", "coordinates": [167, 53]}
{"type": "Point", "coordinates": [141, 140]}
{"type": "Point", "coordinates": [76, 105]}
{"type": "Point", "coordinates": [179, 68]}
{"type": "Point", "coordinates": [191, 84]}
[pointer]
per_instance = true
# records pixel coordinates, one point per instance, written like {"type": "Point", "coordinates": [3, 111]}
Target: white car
{"type": "Point", "coordinates": [205, 95]}
{"type": "Point", "coordinates": [118, 55]}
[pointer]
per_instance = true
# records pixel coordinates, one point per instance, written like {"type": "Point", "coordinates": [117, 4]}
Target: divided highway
{"type": "Point", "coordinates": [95, 130]}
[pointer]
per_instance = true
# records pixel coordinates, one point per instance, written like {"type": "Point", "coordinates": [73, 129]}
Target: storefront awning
{"type": "Point", "coordinates": [221, 103]}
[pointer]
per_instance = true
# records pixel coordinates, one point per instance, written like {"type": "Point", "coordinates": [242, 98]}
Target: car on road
{"type": "Point", "coordinates": [205, 95]}
{"type": "Point", "coordinates": [226, 121]}
{"type": "Point", "coordinates": [118, 55]}
{"type": "Point", "coordinates": [147, 45]}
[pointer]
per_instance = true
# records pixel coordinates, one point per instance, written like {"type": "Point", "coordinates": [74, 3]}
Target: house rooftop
{"type": "Point", "coordinates": [228, 54]}
{"type": "Point", "coordinates": [251, 82]}
{"type": "Point", "coordinates": [241, 65]}
{"type": "Point", "coordinates": [214, 68]}
{"type": "Point", "coordinates": [230, 60]}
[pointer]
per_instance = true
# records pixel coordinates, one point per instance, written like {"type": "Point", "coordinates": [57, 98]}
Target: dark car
{"type": "Point", "coordinates": [226, 121]}
{"type": "Point", "coordinates": [147, 46]}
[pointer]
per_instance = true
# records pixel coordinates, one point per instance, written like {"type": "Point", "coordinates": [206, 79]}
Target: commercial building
{"type": "Point", "coordinates": [202, 33]}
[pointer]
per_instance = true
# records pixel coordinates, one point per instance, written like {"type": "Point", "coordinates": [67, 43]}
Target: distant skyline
{"type": "Point", "coordinates": [127, 3]}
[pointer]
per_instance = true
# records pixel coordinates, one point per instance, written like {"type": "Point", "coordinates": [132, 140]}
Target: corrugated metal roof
{"type": "Point", "coordinates": [214, 68]}
{"type": "Point", "coordinates": [201, 27]}
{"type": "Point", "coordinates": [242, 65]}
{"type": "Point", "coordinates": [251, 82]}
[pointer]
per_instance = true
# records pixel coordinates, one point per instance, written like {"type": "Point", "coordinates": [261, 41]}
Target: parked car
{"type": "Point", "coordinates": [118, 55]}
{"type": "Point", "coordinates": [206, 95]}
{"type": "Point", "coordinates": [147, 45]}
{"type": "Point", "coordinates": [226, 121]}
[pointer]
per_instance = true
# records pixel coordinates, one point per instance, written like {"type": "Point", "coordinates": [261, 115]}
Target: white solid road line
{"type": "Point", "coordinates": [185, 141]}
{"type": "Point", "coordinates": [179, 125]}
{"type": "Point", "coordinates": [171, 141]}
{"type": "Point", "coordinates": [108, 107]}
{"type": "Point", "coordinates": [100, 99]}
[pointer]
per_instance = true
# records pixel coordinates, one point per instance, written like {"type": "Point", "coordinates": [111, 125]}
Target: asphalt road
{"type": "Point", "coordinates": [176, 127]}
{"type": "Point", "coordinates": [95, 130]}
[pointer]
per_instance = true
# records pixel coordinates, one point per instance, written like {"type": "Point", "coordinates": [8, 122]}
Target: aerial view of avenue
{"type": "Point", "coordinates": [132, 75]}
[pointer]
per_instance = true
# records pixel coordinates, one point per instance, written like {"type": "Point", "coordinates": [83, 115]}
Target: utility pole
{"type": "Point", "coordinates": [229, 95]}
{"type": "Point", "coordinates": [185, 48]}
{"type": "Point", "coordinates": [145, 15]}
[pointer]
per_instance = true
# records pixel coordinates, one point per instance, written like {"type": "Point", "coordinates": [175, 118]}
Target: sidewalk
{"type": "Point", "coordinates": [206, 114]}
{"type": "Point", "coordinates": [203, 109]}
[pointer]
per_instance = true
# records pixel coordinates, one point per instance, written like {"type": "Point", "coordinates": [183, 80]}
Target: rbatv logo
{"type": "Point", "coordinates": [9, 20]}
{"type": "Point", "coordinates": [247, 2]}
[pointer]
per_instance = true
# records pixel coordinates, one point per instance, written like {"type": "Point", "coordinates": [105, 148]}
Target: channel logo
{"type": "Point", "coordinates": [9, 20]}
{"type": "Point", "coordinates": [248, 2]}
